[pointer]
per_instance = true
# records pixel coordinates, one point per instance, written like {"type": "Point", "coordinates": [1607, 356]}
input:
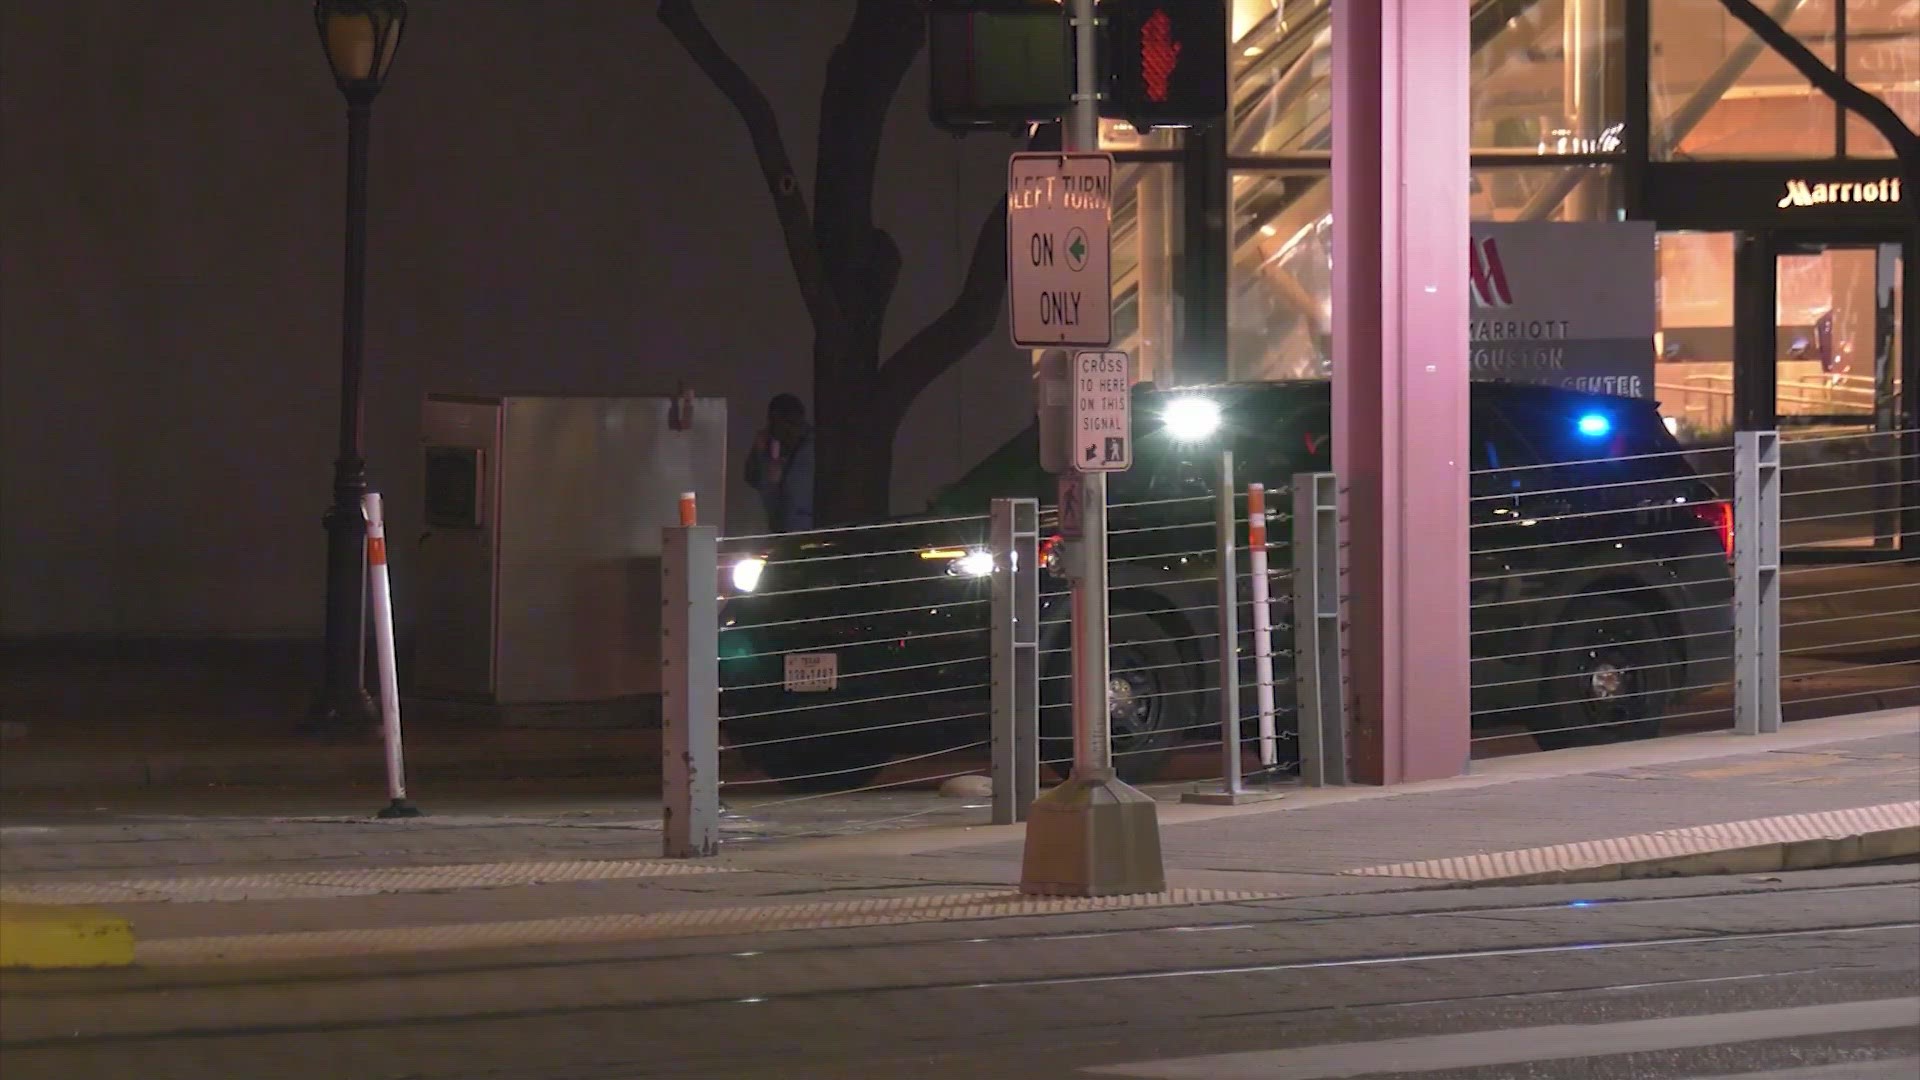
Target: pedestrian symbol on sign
{"type": "Point", "coordinates": [1070, 506]}
{"type": "Point", "coordinates": [1116, 449]}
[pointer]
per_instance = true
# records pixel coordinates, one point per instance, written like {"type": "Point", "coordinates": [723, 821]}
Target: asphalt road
{"type": "Point", "coordinates": [1810, 975]}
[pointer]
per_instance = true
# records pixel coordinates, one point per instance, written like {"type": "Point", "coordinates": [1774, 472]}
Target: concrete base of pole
{"type": "Point", "coordinates": [400, 808]}
{"type": "Point", "coordinates": [1093, 837]}
{"type": "Point", "coordinates": [1230, 798]}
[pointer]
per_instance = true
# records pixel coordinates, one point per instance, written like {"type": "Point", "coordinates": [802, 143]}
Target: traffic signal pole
{"type": "Point", "coordinates": [1093, 835]}
{"type": "Point", "coordinates": [1092, 719]}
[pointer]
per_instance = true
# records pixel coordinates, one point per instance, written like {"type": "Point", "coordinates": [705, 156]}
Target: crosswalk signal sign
{"type": "Point", "coordinates": [1166, 61]}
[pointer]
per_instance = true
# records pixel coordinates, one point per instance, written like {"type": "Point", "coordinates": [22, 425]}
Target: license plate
{"type": "Point", "coordinates": [813, 673]}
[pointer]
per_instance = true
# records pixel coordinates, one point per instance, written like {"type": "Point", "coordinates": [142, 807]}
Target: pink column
{"type": "Point", "coordinates": [1400, 171]}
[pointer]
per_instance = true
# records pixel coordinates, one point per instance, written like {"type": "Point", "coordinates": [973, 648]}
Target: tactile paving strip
{"type": "Point", "coordinates": [311, 884]}
{"type": "Point", "coordinates": [708, 922]}
{"type": "Point", "coordinates": [1656, 846]}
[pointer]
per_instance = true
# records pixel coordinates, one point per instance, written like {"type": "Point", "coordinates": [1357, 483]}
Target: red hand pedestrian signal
{"type": "Point", "coordinates": [1159, 55]}
{"type": "Point", "coordinates": [1167, 61]}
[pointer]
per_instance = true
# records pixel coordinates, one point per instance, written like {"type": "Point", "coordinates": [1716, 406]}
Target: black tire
{"type": "Point", "coordinates": [1153, 706]}
{"type": "Point", "coordinates": [1610, 678]}
{"type": "Point", "coordinates": [832, 763]}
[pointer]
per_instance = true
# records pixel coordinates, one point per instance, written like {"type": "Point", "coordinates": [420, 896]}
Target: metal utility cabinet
{"type": "Point", "coordinates": [539, 566]}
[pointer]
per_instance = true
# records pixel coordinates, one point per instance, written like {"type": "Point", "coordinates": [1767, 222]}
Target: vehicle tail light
{"type": "Point", "coordinates": [1049, 548]}
{"type": "Point", "coordinates": [1718, 516]}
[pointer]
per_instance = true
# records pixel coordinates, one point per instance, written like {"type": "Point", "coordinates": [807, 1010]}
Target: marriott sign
{"type": "Point", "coordinates": [1563, 303]}
{"type": "Point", "coordinates": [1804, 193]}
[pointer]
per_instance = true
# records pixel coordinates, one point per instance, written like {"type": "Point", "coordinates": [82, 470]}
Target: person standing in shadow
{"type": "Point", "coordinates": [780, 466]}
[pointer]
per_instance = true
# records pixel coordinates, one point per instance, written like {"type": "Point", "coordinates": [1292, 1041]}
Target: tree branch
{"type": "Point", "coordinates": [776, 167]}
{"type": "Point", "coordinates": [1869, 107]}
{"type": "Point", "coordinates": [964, 324]}
{"type": "Point", "coordinates": [863, 75]}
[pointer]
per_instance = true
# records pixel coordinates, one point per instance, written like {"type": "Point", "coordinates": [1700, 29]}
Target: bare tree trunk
{"type": "Point", "coordinates": [845, 266]}
{"type": "Point", "coordinates": [860, 485]}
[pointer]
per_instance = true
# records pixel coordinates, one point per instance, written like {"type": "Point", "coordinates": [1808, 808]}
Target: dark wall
{"type": "Point", "coordinates": [560, 204]}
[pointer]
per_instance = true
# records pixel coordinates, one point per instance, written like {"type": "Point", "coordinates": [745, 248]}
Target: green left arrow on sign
{"type": "Point", "coordinates": [1077, 249]}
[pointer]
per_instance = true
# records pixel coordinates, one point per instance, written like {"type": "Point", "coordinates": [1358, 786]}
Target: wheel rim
{"type": "Point", "coordinates": [1612, 686]}
{"type": "Point", "coordinates": [1130, 709]}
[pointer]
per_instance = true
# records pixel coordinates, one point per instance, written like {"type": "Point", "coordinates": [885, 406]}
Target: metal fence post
{"type": "Point", "coordinates": [1014, 538]}
{"type": "Point", "coordinates": [1226, 524]}
{"type": "Point", "coordinates": [1316, 628]}
{"type": "Point", "coordinates": [1756, 589]}
{"type": "Point", "coordinates": [690, 691]}
{"type": "Point", "coordinates": [1223, 526]}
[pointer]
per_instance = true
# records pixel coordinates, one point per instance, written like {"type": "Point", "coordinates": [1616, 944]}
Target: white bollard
{"type": "Point", "coordinates": [1262, 623]}
{"type": "Point", "coordinates": [397, 804]}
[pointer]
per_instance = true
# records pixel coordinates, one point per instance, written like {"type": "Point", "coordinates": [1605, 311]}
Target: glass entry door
{"type": "Point", "coordinates": [1840, 348]}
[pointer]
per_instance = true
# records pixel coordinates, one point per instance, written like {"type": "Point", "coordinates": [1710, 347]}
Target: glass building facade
{"type": "Point", "coordinates": [1583, 110]}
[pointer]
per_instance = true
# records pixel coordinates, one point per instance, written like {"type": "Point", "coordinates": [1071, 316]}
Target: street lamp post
{"type": "Point", "coordinates": [360, 38]}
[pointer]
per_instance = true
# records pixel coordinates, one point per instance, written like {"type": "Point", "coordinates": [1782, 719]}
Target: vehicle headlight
{"type": "Point", "coordinates": [962, 562]}
{"type": "Point", "coordinates": [1190, 419]}
{"type": "Point", "coordinates": [746, 573]}
{"type": "Point", "coordinates": [975, 563]}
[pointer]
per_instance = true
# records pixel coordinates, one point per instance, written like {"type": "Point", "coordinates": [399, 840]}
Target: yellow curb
{"type": "Point", "coordinates": [1761, 845]}
{"type": "Point", "coordinates": [303, 884]}
{"type": "Point", "coordinates": [293, 945]}
{"type": "Point", "coordinates": [43, 936]}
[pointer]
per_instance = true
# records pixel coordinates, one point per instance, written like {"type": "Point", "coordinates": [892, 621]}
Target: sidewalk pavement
{"type": "Point", "coordinates": [155, 716]}
{"type": "Point", "coordinates": [203, 889]}
{"type": "Point", "coordinates": [522, 755]}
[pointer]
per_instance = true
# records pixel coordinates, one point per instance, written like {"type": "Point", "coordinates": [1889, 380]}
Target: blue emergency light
{"type": "Point", "coordinates": [1594, 425]}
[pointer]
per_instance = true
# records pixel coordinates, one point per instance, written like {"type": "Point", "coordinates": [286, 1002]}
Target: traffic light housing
{"type": "Point", "coordinates": [997, 63]}
{"type": "Point", "coordinates": [1166, 61]}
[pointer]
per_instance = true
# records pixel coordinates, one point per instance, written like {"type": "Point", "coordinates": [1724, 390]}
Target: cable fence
{"type": "Point", "coordinates": [853, 676]}
{"type": "Point", "coordinates": [859, 670]}
{"type": "Point", "coordinates": [1849, 617]}
{"type": "Point", "coordinates": [1601, 599]}
{"type": "Point", "coordinates": [850, 674]}
{"type": "Point", "coordinates": [1166, 633]}
{"type": "Point", "coordinates": [1678, 592]}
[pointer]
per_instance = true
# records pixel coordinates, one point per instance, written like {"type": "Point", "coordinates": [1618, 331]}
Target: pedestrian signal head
{"type": "Point", "coordinates": [1167, 61]}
